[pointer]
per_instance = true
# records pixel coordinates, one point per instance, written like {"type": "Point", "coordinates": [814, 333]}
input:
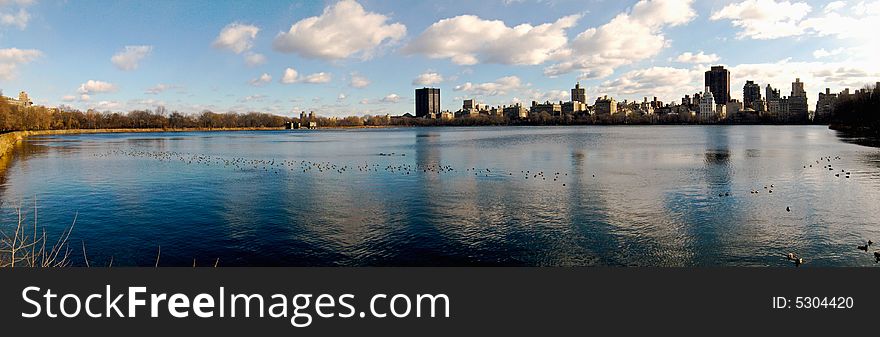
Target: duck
{"type": "Point", "coordinates": [798, 262]}
{"type": "Point", "coordinates": [865, 248]}
{"type": "Point", "coordinates": [877, 255]}
{"type": "Point", "coordinates": [791, 256]}
{"type": "Point", "coordinates": [788, 208]}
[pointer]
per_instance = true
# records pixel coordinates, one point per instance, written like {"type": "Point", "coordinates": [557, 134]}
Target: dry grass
{"type": "Point", "coordinates": [30, 247]}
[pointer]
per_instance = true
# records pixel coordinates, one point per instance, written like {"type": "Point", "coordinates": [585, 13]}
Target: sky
{"type": "Point", "coordinates": [358, 57]}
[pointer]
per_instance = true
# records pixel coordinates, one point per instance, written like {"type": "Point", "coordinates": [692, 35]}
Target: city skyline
{"type": "Point", "coordinates": [285, 57]}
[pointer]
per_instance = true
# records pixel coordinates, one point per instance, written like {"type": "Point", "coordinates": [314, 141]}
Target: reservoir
{"type": "Point", "coordinates": [496, 196]}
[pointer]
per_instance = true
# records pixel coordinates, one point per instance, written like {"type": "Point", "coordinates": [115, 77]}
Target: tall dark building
{"type": "Point", "coordinates": [751, 94]}
{"type": "Point", "coordinates": [578, 94]}
{"type": "Point", "coordinates": [427, 101]}
{"type": "Point", "coordinates": [718, 81]}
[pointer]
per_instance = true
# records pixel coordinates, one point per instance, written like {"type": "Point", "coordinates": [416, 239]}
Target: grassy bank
{"type": "Point", "coordinates": [9, 139]}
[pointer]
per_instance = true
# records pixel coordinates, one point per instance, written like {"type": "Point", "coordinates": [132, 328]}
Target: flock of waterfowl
{"type": "Point", "coordinates": [306, 166]}
{"type": "Point", "coordinates": [827, 165]}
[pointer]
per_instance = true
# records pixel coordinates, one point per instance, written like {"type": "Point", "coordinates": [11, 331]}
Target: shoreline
{"type": "Point", "coordinates": [8, 140]}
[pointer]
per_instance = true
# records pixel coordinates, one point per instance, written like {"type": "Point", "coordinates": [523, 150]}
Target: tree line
{"type": "Point", "coordinates": [858, 113]}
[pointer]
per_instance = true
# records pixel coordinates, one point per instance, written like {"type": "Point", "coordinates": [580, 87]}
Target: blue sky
{"type": "Point", "coordinates": [366, 56]}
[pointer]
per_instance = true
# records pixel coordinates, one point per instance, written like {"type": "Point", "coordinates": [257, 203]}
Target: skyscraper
{"type": "Point", "coordinates": [718, 81]}
{"type": "Point", "coordinates": [427, 101]}
{"type": "Point", "coordinates": [751, 94]}
{"type": "Point", "coordinates": [578, 94]}
{"type": "Point", "coordinates": [797, 102]}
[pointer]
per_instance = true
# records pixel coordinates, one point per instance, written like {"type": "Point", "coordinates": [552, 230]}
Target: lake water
{"type": "Point", "coordinates": [533, 196]}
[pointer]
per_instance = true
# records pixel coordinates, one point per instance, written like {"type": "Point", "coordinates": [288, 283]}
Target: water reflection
{"type": "Point", "coordinates": [559, 196]}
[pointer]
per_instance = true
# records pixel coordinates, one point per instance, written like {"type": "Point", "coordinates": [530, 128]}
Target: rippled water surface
{"type": "Point", "coordinates": [630, 196]}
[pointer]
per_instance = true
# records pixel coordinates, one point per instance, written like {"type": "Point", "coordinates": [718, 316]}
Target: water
{"type": "Point", "coordinates": [632, 196]}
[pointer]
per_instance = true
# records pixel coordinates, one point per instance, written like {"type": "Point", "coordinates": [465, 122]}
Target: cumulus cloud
{"type": "Point", "coordinates": [664, 82]}
{"type": "Point", "coordinates": [254, 59]}
{"type": "Point", "coordinates": [764, 19]}
{"type": "Point", "coordinates": [428, 78]}
{"type": "Point", "coordinates": [469, 39]}
{"type": "Point", "coordinates": [68, 98]}
{"type": "Point", "coordinates": [358, 81]}
{"type": "Point", "coordinates": [237, 37]}
{"type": "Point", "coordinates": [292, 76]}
{"type": "Point", "coordinates": [130, 57]}
{"type": "Point", "coordinates": [390, 98]}
{"type": "Point", "coordinates": [344, 29]}
{"type": "Point", "coordinates": [341, 98]}
{"type": "Point", "coordinates": [94, 87]}
{"type": "Point", "coordinates": [772, 19]}
{"type": "Point", "coordinates": [627, 38]}
{"type": "Point", "coordinates": [701, 57]}
{"type": "Point", "coordinates": [500, 86]}
{"type": "Point", "coordinates": [11, 58]}
{"type": "Point", "coordinates": [261, 80]}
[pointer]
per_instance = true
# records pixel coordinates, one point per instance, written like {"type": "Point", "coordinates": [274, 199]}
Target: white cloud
{"type": "Point", "coordinates": [341, 98]}
{"type": "Point", "coordinates": [391, 98]}
{"type": "Point", "coordinates": [130, 56]}
{"type": "Point", "coordinates": [822, 53]}
{"type": "Point", "coordinates": [11, 58]}
{"type": "Point", "coordinates": [237, 37]}
{"type": "Point", "coordinates": [254, 59]}
{"type": "Point", "coordinates": [469, 39]}
{"type": "Point", "coordinates": [627, 38]}
{"type": "Point", "coordinates": [316, 78]}
{"type": "Point", "coordinates": [358, 81]}
{"type": "Point", "coordinates": [428, 78]}
{"type": "Point", "coordinates": [344, 29]}
{"type": "Point", "coordinates": [17, 19]}
{"type": "Point", "coordinates": [764, 19]}
{"type": "Point", "coordinates": [292, 76]}
{"type": "Point", "coordinates": [261, 80]}
{"type": "Point", "coordinates": [500, 86]}
{"type": "Point", "coordinates": [159, 88]}
{"type": "Point", "coordinates": [700, 57]}
{"type": "Point", "coordinates": [84, 98]}
{"type": "Point", "coordinates": [94, 87]}
{"type": "Point", "coordinates": [666, 83]}
{"type": "Point", "coordinates": [253, 98]}
{"type": "Point", "coordinates": [106, 105]}
{"type": "Point", "coordinates": [68, 98]}
{"type": "Point", "coordinates": [834, 6]}
{"type": "Point", "coordinates": [553, 95]}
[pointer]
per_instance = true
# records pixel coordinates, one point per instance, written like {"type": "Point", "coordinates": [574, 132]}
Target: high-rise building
{"type": "Point", "coordinates": [578, 94]}
{"type": "Point", "coordinates": [718, 81]}
{"type": "Point", "coordinates": [825, 106]}
{"type": "Point", "coordinates": [708, 110]}
{"type": "Point", "coordinates": [798, 108]}
{"type": "Point", "coordinates": [751, 94]}
{"type": "Point", "coordinates": [427, 101]}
